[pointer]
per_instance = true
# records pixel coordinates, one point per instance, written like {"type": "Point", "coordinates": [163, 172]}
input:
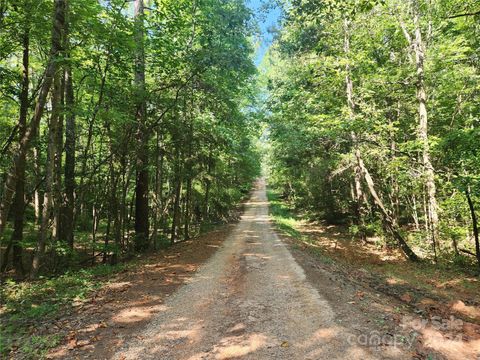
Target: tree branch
{"type": "Point", "coordinates": [465, 14]}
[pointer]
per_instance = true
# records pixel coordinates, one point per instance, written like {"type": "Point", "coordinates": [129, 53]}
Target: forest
{"type": "Point", "coordinates": [141, 139]}
{"type": "Point", "coordinates": [123, 126]}
{"type": "Point", "coordinates": [374, 121]}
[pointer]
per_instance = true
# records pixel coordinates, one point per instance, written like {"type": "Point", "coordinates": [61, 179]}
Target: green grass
{"type": "Point", "coordinates": [27, 304]}
{"type": "Point", "coordinates": [283, 217]}
{"type": "Point", "coordinates": [287, 223]}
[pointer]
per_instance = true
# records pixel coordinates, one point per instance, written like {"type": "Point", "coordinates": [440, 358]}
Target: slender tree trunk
{"type": "Point", "coordinates": [474, 225]}
{"type": "Point", "coordinates": [176, 203]}
{"type": "Point", "coordinates": [360, 210]}
{"type": "Point", "coordinates": [158, 215]}
{"type": "Point", "coordinates": [161, 179]}
{"type": "Point", "coordinates": [429, 173]}
{"type": "Point", "coordinates": [94, 228]}
{"type": "Point", "coordinates": [189, 175]}
{"type": "Point", "coordinates": [49, 178]}
{"type": "Point", "coordinates": [117, 228]}
{"type": "Point", "coordinates": [208, 184]}
{"type": "Point", "coordinates": [57, 200]}
{"type": "Point", "coordinates": [83, 168]}
{"type": "Point", "coordinates": [38, 195]}
{"type": "Point", "coordinates": [176, 209]}
{"type": "Point", "coordinates": [19, 199]}
{"type": "Point", "coordinates": [389, 223]}
{"type": "Point", "coordinates": [141, 185]}
{"type": "Point", "coordinates": [415, 212]}
{"type": "Point", "coordinates": [418, 46]}
{"type": "Point", "coordinates": [11, 179]}
{"type": "Point", "coordinates": [188, 196]}
{"type": "Point", "coordinates": [112, 209]}
{"type": "Point", "coordinates": [395, 199]}
{"type": "Point", "coordinates": [70, 143]}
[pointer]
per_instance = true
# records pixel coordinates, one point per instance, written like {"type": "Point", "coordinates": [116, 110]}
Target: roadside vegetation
{"type": "Point", "coordinates": [30, 305]}
{"type": "Point", "coordinates": [373, 122]}
{"type": "Point", "coordinates": [450, 286]}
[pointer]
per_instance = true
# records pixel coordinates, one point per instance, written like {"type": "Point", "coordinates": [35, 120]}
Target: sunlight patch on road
{"type": "Point", "coordinates": [234, 346]}
{"type": "Point", "coordinates": [135, 314]}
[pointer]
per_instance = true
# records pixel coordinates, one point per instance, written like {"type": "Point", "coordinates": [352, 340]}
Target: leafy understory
{"type": "Point", "coordinates": [28, 306]}
{"type": "Point", "coordinates": [377, 267]}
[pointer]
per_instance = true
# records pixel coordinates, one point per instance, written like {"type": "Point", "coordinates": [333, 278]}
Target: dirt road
{"type": "Point", "coordinates": [251, 300]}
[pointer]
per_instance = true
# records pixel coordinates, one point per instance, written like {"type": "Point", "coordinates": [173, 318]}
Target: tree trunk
{"type": "Point", "coordinates": [57, 200]}
{"type": "Point", "coordinates": [474, 225]}
{"type": "Point", "coordinates": [70, 142]}
{"type": "Point", "coordinates": [19, 199]}
{"type": "Point", "coordinates": [49, 178]}
{"type": "Point", "coordinates": [360, 210]}
{"type": "Point", "coordinates": [37, 169]}
{"type": "Point", "coordinates": [158, 215]}
{"type": "Point", "coordinates": [208, 184]}
{"type": "Point", "coordinates": [386, 217]}
{"type": "Point", "coordinates": [11, 179]}
{"type": "Point", "coordinates": [395, 198]}
{"type": "Point", "coordinates": [141, 185]}
{"type": "Point", "coordinates": [423, 135]}
{"type": "Point", "coordinates": [176, 203]}
{"type": "Point", "coordinates": [429, 174]}
{"type": "Point", "coordinates": [189, 165]}
{"type": "Point", "coordinates": [83, 168]}
{"type": "Point", "coordinates": [415, 212]}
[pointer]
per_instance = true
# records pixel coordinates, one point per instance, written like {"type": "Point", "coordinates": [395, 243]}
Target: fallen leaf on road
{"type": "Point", "coordinates": [285, 344]}
{"type": "Point", "coordinates": [72, 344]}
{"type": "Point", "coordinates": [360, 294]}
{"type": "Point", "coordinates": [406, 297]}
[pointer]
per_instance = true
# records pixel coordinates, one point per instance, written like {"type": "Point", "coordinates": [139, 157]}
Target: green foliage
{"type": "Point", "coordinates": [200, 131]}
{"type": "Point", "coordinates": [25, 304]}
{"type": "Point", "coordinates": [285, 220]}
{"type": "Point", "coordinates": [311, 159]}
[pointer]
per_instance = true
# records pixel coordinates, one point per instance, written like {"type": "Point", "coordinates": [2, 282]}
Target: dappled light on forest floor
{"type": "Point", "coordinates": [439, 298]}
{"type": "Point", "coordinates": [121, 309]}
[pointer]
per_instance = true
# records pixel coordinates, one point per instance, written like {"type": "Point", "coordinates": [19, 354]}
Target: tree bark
{"type": "Point", "coordinates": [57, 199]}
{"type": "Point", "coordinates": [83, 168]}
{"type": "Point", "coordinates": [70, 143]}
{"type": "Point", "coordinates": [158, 214]}
{"type": "Point", "coordinates": [389, 223]}
{"type": "Point", "coordinates": [49, 178]}
{"type": "Point", "coordinates": [19, 199]}
{"type": "Point", "coordinates": [176, 203]}
{"type": "Point", "coordinates": [37, 169]}
{"type": "Point", "coordinates": [360, 210]}
{"type": "Point", "coordinates": [423, 134]}
{"type": "Point", "coordinates": [418, 46]}
{"type": "Point", "coordinates": [141, 185]}
{"type": "Point", "coordinates": [474, 225]}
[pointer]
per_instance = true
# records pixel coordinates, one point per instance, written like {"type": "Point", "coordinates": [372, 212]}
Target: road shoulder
{"type": "Point", "coordinates": [119, 311]}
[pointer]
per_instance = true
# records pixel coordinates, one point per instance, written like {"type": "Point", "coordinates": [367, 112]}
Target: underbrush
{"type": "Point", "coordinates": [25, 305]}
{"type": "Point", "coordinates": [449, 279]}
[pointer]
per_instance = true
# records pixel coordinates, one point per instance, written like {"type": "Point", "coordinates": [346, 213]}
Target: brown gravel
{"type": "Point", "coordinates": [252, 300]}
{"type": "Point", "coordinates": [121, 310]}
